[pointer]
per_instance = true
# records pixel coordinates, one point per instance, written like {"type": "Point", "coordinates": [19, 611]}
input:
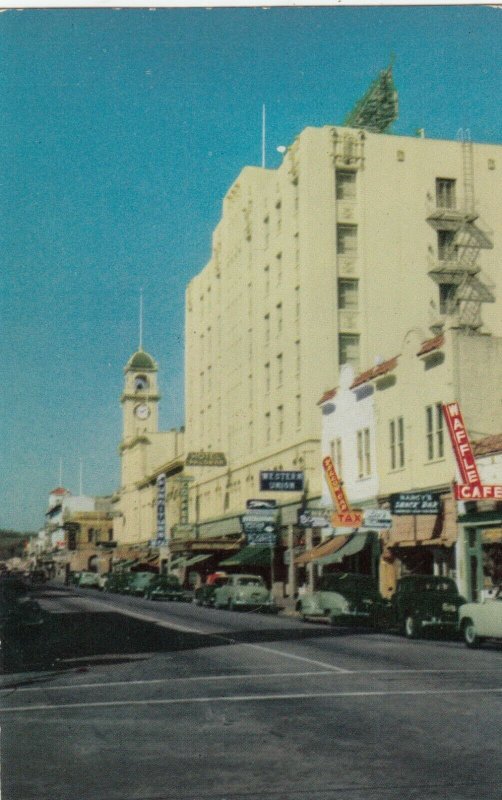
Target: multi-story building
{"type": "Point", "coordinates": [385, 431]}
{"type": "Point", "coordinates": [330, 259]}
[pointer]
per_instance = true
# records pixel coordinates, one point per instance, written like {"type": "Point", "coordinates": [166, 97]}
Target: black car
{"type": "Point", "coordinates": [166, 587]}
{"type": "Point", "coordinates": [421, 602]}
{"type": "Point", "coordinates": [19, 613]}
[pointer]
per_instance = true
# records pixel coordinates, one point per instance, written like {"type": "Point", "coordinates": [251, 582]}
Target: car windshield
{"type": "Point", "coordinates": [249, 582]}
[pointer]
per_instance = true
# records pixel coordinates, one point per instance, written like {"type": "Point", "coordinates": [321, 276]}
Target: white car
{"type": "Point", "coordinates": [483, 620]}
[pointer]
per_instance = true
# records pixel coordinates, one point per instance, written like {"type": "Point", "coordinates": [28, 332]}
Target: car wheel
{"type": "Point", "coordinates": [471, 638]}
{"type": "Point", "coordinates": [412, 627]}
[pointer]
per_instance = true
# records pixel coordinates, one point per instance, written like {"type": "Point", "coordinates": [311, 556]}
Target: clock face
{"type": "Point", "coordinates": [142, 411]}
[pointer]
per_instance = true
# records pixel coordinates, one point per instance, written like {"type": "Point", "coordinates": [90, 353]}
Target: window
{"type": "Point", "coordinates": [447, 297]}
{"type": "Point", "coordinates": [396, 437]}
{"type": "Point", "coordinates": [335, 451]}
{"type": "Point", "coordinates": [445, 193]}
{"type": "Point", "coordinates": [278, 207]}
{"type": "Point", "coordinates": [279, 317]}
{"type": "Point", "coordinates": [279, 370]}
{"type": "Point", "coordinates": [279, 267]}
{"type": "Point", "coordinates": [297, 357]}
{"type": "Point", "coordinates": [267, 377]}
{"type": "Point", "coordinates": [267, 427]}
{"type": "Point", "coordinates": [298, 411]}
{"type": "Point", "coordinates": [363, 453]}
{"type": "Point", "coordinates": [434, 431]}
{"type": "Point", "coordinates": [348, 349]}
{"type": "Point", "coordinates": [297, 302]}
{"type": "Point", "coordinates": [266, 228]}
{"type": "Point", "coordinates": [251, 436]}
{"type": "Point", "coordinates": [140, 383]}
{"type": "Point", "coordinates": [267, 330]}
{"type": "Point", "coordinates": [280, 421]}
{"type": "Point", "coordinates": [90, 535]}
{"type": "Point", "coordinates": [267, 280]}
{"type": "Point", "coordinates": [445, 243]}
{"type": "Point", "coordinates": [347, 293]}
{"type": "Point", "coordinates": [346, 239]}
{"type": "Point", "coordinates": [345, 185]}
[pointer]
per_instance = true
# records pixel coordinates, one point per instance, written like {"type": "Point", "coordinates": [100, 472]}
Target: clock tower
{"type": "Point", "coordinates": [140, 398]}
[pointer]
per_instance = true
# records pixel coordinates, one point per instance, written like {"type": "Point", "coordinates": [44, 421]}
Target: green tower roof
{"type": "Point", "coordinates": [141, 360]}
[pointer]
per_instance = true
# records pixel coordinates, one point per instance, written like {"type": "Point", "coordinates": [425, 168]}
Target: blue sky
{"type": "Point", "coordinates": [120, 132]}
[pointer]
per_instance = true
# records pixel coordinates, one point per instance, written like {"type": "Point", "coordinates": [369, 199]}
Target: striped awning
{"type": "Point", "coordinates": [322, 550]}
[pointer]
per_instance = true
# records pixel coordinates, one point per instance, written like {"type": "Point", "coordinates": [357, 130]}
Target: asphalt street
{"type": "Point", "coordinates": [126, 699]}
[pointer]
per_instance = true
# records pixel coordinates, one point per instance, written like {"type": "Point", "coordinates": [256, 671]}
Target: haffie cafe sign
{"type": "Point", "coordinates": [471, 488]}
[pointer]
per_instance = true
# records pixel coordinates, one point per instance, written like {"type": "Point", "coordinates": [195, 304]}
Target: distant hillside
{"type": "Point", "coordinates": [11, 543]}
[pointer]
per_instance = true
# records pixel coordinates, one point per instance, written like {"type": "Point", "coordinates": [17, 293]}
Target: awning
{"type": "Point", "coordinates": [354, 545]}
{"type": "Point", "coordinates": [177, 562]}
{"type": "Point", "coordinates": [196, 559]}
{"type": "Point", "coordinates": [252, 555]}
{"type": "Point", "coordinates": [322, 550]}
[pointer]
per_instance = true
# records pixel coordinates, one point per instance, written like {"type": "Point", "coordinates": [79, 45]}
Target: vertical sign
{"type": "Point", "coordinates": [461, 445]}
{"type": "Point", "coordinates": [335, 487]}
{"type": "Point", "coordinates": [184, 500]}
{"type": "Point", "coordinates": [161, 509]}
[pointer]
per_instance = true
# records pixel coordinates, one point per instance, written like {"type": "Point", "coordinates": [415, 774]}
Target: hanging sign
{"type": "Point", "coordinates": [461, 445]}
{"type": "Point", "coordinates": [278, 480]}
{"type": "Point", "coordinates": [161, 509]}
{"type": "Point", "coordinates": [335, 486]}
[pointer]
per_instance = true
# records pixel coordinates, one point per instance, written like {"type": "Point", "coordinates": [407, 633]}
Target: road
{"type": "Point", "coordinates": [125, 699]}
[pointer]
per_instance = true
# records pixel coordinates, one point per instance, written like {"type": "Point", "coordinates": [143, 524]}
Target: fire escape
{"type": "Point", "coordinates": [460, 241]}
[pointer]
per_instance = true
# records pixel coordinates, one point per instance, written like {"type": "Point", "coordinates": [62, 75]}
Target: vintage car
{"type": "Point", "coordinates": [204, 595]}
{"type": "Point", "coordinates": [420, 602]}
{"type": "Point", "coordinates": [244, 591]}
{"type": "Point", "coordinates": [19, 613]}
{"type": "Point", "coordinates": [166, 587]}
{"type": "Point", "coordinates": [138, 583]}
{"type": "Point", "coordinates": [89, 580]}
{"type": "Point", "coordinates": [483, 620]}
{"type": "Point", "coordinates": [342, 597]}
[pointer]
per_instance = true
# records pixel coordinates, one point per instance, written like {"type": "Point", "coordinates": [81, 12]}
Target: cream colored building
{"type": "Point", "coordinates": [385, 431]}
{"type": "Point", "coordinates": [147, 454]}
{"type": "Point", "coordinates": [330, 259]}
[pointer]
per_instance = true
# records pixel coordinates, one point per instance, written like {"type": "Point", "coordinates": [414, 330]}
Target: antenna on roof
{"type": "Point", "coordinates": [81, 481]}
{"type": "Point", "coordinates": [60, 471]}
{"type": "Point", "coordinates": [141, 319]}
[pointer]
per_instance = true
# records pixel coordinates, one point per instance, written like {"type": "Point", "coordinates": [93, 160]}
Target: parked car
{"type": "Point", "coordinates": [103, 580]}
{"type": "Point", "coordinates": [166, 587]}
{"type": "Point", "coordinates": [88, 580]}
{"type": "Point", "coordinates": [423, 601]}
{"type": "Point", "coordinates": [138, 583]}
{"type": "Point", "coordinates": [244, 591]}
{"type": "Point", "coordinates": [483, 620]}
{"type": "Point", "coordinates": [342, 597]}
{"type": "Point", "coordinates": [19, 613]}
{"type": "Point", "coordinates": [116, 581]}
{"type": "Point", "coordinates": [204, 595]}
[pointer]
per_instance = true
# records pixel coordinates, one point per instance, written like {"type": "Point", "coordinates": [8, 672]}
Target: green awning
{"type": "Point", "coordinates": [355, 544]}
{"type": "Point", "coordinates": [195, 559]}
{"type": "Point", "coordinates": [178, 562]}
{"type": "Point", "coordinates": [252, 555]}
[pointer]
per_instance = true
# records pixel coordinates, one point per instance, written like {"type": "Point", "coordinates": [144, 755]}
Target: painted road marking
{"type": "Point", "coordinates": [239, 677]}
{"type": "Point", "coordinates": [251, 698]}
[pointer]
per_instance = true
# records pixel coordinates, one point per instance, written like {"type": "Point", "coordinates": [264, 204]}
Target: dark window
{"type": "Point", "coordinates": [445, 193]}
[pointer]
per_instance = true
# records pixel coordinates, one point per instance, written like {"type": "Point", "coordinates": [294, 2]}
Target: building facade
{"type": "Point", "coordinates": [328, 260]}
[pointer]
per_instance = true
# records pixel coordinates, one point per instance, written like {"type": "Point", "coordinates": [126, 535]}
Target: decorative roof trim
{"type": "Point", "coordinates": [375, 372]}
{"type": "Point", "coordinates": [431, 344]}
{"type": "Point", "coordinates": [328, 395]}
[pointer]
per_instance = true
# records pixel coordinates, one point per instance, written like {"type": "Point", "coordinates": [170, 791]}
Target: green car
{"type": "Point", "coordinates": [138, 583]}
{"type": "Point", "coordinates": [342, 597]}
{"type": "Point", "coordinates": [244, 591]}
{"type": "Point", "coordinates": [89, 580]}
{"type": "Point", "coordinates": [423, 601]}
{"type": "Point", "coordinates": [116, 582]}
{"type": "Point", "coordinates": [165, 587]}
